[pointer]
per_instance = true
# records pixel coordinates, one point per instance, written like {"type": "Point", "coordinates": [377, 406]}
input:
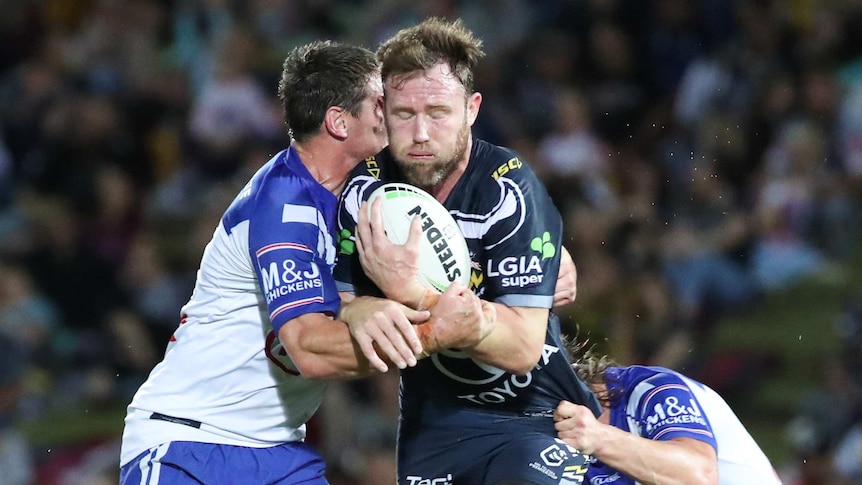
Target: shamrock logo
{"type": "Point", "coordinates": [543, 246]}
{"type": "Point", "coordinates": [346, 245]}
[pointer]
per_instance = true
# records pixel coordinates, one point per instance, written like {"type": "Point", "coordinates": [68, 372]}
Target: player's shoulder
{"type": "Point", "coordinates": [641, 386]}
{"type": "Point", "coordinates": [281, 180]}
{"type": "Point", "coordinates": [495, 161]}
{"type": "Point", "coordinates": [286, 180]}
{"type": "Point", "coordinates": [654, 375]}
{"type": "Point", "coordinates": [642, 381]}
{"type": "Point", "coordinates": [378, 167]}
{"type": "Point", "coordinates": [371, 171]}
{"type": "Point", "coordinates": [272, 176]}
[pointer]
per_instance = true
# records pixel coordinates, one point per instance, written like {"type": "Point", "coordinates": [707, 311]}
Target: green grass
{"type": "Point", "coordinates": [797, 327]}
{"type": "Point", "coordinates": [72, 427]}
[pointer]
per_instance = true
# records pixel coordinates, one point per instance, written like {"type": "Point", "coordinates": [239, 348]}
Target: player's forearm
{"type": "Point", "coordinates": [414, 295]}
{"type": "Point", "coordinates": [516, 342]}
{"type": "Point", "coordinates": [675, 462]}
{"type": "Point", "coordinates": [322, 348]}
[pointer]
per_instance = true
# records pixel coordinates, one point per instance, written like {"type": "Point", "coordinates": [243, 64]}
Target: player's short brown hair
{"type": "Point", "coordinates": [319, 75]}
{"type": "Point", "coordinates": [427, 44]}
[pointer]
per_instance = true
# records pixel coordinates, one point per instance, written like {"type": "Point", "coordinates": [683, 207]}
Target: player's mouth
{"type": "Point", "coordinates": [424, 156]}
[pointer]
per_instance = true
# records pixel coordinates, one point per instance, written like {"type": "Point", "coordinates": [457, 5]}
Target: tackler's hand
{"type": "Point", "coordinates": [458, 320]}
{"type": "Point", "coordinates": [578, 427]}
{"type": "Point", "coordinates": [567, 281]}
{"type": "Point", "coordinates": [386, 325]}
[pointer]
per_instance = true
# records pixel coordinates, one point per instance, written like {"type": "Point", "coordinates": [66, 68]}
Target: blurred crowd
{"type": "Point", "coordinates": [704, 153]}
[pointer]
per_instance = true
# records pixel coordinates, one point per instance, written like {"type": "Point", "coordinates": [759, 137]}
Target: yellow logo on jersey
{"type": "Point", "coordinates": [512, 164]}
{"type": "Point", "coordinates": [577, 469]}
{"type": "Point", "coordinates": [373, 168]}
{"type": "Point", "coordinates": [476, 279]}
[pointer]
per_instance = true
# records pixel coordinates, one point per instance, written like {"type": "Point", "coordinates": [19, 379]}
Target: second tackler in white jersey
{"type": "Point", "coordinates": [225, 378]}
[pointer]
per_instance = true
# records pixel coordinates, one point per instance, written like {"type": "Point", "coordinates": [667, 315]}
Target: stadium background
{"type": "Point", "coordinates": [706, 155]}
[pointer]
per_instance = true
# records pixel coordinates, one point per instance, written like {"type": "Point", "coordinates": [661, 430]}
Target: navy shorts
{"type": "Point", "coordinates": [465, 447]}
{"type": "Point", "coordinates": [184, 462]}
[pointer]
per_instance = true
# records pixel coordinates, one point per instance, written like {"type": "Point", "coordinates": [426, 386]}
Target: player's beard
{"type": "Point", "coordinates": [430, 174]}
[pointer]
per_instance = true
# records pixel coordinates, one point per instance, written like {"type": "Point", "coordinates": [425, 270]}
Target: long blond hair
{"type": "Point", "coordinates": [591, 367]}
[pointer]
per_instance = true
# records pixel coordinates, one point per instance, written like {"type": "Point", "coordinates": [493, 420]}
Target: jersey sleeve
{"type": "Point", "coordinates": [664, 407]}
{"type": "Point", "coordinates": [288, 243]}
{"type": "Point", "coordinates": [522, 246]}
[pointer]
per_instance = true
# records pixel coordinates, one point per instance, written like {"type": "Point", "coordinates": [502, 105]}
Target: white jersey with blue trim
{"type": "Point", "coordinates": [225, 378]}
{"type": "Point", "coordinates": [660, 404]}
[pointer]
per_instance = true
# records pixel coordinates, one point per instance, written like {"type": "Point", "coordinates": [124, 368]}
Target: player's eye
{"type": "Point", "coordinates": [403, 115]}
{"type": "Point", "coordinates": [438, 113]}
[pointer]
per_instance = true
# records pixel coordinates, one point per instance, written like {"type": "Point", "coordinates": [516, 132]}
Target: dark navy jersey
{"type": "Point", "coordinates": [513, 231]}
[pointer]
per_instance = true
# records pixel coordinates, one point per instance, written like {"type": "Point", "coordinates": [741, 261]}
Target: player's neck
{"type": "Point", "coordinates": [442, 190]}
{"type": "Point", "coordinates": [327, 164]}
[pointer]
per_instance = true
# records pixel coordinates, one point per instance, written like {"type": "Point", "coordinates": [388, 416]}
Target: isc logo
{"type": "Point", "coordinates": [512, 164]}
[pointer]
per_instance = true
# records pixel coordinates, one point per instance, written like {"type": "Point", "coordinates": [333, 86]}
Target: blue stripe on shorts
{"type": "Point", "coordinates": [185, 462]}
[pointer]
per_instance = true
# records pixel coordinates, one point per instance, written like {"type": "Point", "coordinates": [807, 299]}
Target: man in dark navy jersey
{"type": "Point", "coordinates": [479, 412]}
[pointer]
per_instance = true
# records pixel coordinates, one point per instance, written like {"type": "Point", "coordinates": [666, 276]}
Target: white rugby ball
{"type": "Point", "coordinates": [443, 253]}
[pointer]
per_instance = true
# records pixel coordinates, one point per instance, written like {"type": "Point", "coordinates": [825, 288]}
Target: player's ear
{"type": "Point", "coordinates": [335, 122]}
{"type": "Point", "coordinates": [473, 103]}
